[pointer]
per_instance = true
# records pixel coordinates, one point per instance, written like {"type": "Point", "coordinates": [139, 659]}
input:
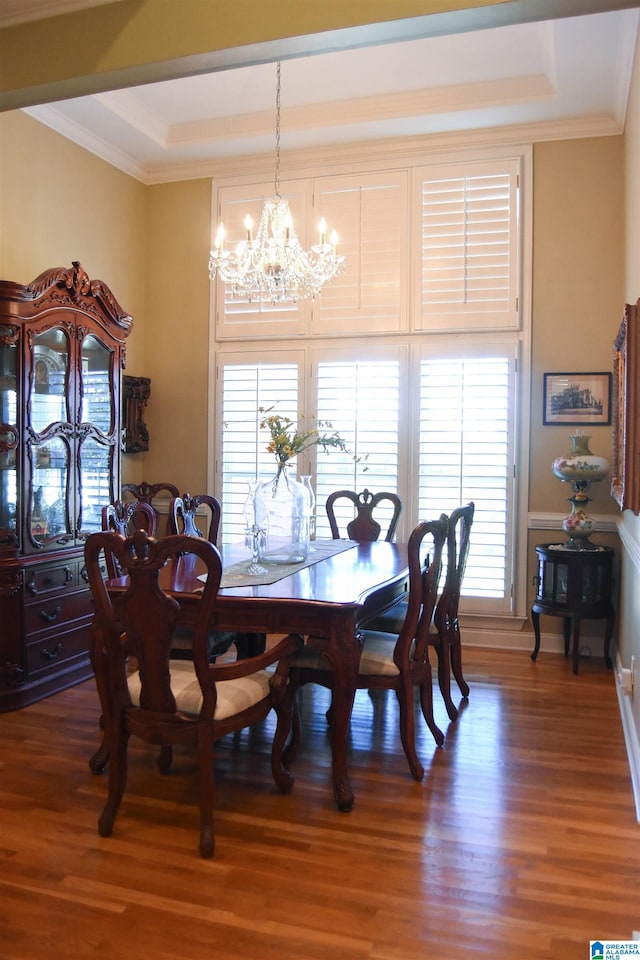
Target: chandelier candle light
{"type": "Point", "coordinates": [273, 264]}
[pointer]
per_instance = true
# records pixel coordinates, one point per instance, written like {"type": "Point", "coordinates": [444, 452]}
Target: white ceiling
{"type": "Point", "coordinates": [561, 78]}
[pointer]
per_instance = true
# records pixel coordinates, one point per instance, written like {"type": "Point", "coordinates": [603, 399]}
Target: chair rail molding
{"type": "Point", "coordinates": [630, 543]}
{"type": "Point", "coordinates": [604, 523]}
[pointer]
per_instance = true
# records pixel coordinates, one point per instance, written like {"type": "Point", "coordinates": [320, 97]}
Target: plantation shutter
{"type": "Point", "coordinates": [468, 269]}
{"type": "Point", "coordinates": [369, 212]}
{"type": "Point", "coordinates": [245, 387]}
{"type": "Point", "coordinates": [241, 319]}
{"type": "Point", "coordinates": [466, 453]}
{"type": "Point", "coordinates": [362, 401]}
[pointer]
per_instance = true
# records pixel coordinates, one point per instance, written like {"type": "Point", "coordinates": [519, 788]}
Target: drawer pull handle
{"type": "Point", "coordinates": [51, 617]}
{"type": "Point", "coordinates": [68, 575]}
{"type": "Point", "coordinates": [52, 654]}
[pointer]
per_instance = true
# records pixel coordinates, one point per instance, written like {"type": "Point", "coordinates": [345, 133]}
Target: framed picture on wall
{"type": "Point", "coordinates": [625, 466]}
{"type": "Point", "coordinates": [577, 399]}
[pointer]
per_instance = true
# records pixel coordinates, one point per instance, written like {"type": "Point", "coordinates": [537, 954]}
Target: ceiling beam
{"type": "Point", "coordinates": [132, 42]}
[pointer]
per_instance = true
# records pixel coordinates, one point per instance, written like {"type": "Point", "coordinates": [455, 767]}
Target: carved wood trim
{"type": "Point", "coordinates": [135, 396]}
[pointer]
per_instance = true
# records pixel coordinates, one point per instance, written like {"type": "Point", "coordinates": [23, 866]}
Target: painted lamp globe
{"type": "Point", "coordinates": [580, 467]}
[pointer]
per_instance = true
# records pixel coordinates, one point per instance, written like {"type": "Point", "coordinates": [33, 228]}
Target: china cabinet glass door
{"type": "Point", "coordinates": [50, 440]}
{"type": "Point", "coordinates": [72, 437]}
{"type": "Point", "coordinates": [97, 433]}
{"type": "Point", "coordinates": [9, 437]}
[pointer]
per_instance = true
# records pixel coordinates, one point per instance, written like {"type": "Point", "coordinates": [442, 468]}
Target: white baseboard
{"type": "Point", "coordinates": [591, 639]}
{"type": "Point", "coordinates": [631, 741]}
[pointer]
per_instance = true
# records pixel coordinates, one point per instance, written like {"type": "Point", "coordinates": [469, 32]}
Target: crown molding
{"type": "Point", "coordinates": [100, 148]}
{"type": "Point", "coordinates": [396, 151]}
{"type": "Point", "coordinates": [336, 157]}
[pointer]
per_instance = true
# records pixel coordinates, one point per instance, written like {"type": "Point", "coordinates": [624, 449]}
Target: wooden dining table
{"type": "Point", "coordinates": [324, 602]}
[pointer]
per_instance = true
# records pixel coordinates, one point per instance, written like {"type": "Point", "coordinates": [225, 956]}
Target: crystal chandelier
{"type": "Point", "coordinates": [273, 265]}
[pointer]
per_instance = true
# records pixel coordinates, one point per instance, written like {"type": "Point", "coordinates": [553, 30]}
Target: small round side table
{"type": "Point", "coordinates": [575, 585]}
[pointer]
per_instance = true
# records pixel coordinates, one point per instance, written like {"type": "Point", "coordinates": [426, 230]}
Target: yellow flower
{"type": "Point", "coordinates": [289, 438]}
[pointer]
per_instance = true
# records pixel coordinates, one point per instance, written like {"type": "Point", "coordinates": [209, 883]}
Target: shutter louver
{"type": "Point", "coordinates": [361, 400]}
{"type": "Point", "coordinates": [369, 214]}
{"type": "Point", "coordinates": [245, 388]}
{"type": "Point", "coordinates": [468, 247]}
{"type": "Point", "coordinates": [465, 454]}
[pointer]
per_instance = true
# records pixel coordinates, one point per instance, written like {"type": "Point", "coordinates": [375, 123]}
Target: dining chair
{"type": "Point", "coordinates": [444, 635]}
{"type": "Point", "coordinates": [145, 693]}
{"type": "Point", "coordinates": [124, 518]}
{"type": "Point", "coordinates": [399, 663]}
{"type": "Point", "coordinates": [183, 519]}
{"type": "Point", "coordinates": [363, 526]}
{"type": "Point", "coordinates": [183, 516]}
{"type": "Point", "coordinates": [150, 493]}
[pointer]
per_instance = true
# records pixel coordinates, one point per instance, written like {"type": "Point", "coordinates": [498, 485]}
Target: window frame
{"type": "Point", "coordinates": [415, 339]}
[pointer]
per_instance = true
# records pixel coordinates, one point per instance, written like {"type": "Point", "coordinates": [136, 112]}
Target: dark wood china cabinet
{"type": "Point", "coordinates": [62, 349]}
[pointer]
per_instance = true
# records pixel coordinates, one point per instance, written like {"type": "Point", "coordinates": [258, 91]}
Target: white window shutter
{"type": "Point", "coordinates": [466, 453]}
{"type": "Point", "coordinates": [369, 212]}
{"type": "Point", "coordinates": [468, 246]}
{"type": "Point", "coordinates": [362, 401]}
{"type": "Point", "coordinates": [247, 385]}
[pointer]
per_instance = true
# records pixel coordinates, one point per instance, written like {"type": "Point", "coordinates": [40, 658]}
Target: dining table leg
{"type": "Point", "coordinates": [342, 649]}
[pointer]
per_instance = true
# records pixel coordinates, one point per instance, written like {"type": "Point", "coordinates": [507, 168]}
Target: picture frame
{"type": "Point", "coordinates": [577, 399]}
{"type": "Point", "coordinates": [625, 464]}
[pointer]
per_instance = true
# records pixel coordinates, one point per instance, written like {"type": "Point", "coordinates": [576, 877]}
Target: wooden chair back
{"type": "Point", "coordinates": [125, 518]}
{"type": "Point", "coordinates": [447, 643]}
{"type": "Point", "coordinates": [182, 516]}
{"type": "Point", "coordinates": [145, 693]}
{"type": "Point", "coordinates": [148, 493]}
{"type": "Point", "coordinates": [458, 541]}
{"type": "Point", "coordinates": [364, 526]}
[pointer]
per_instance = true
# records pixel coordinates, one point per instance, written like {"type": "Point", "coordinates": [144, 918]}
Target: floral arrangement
{"type": "Point", "coordinates": [289, 437]}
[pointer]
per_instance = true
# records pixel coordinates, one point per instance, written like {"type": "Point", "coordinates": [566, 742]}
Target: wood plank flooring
{"type": "Point", "coordinates": [521, 841]}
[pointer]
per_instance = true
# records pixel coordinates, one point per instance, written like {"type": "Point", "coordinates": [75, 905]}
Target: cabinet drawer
{"type": "Point", "coordinates": [47, 655]}
{"type": "Point", "coordinates": [55, 613]}
{"type": "Point", "coordinates": [42, 580]}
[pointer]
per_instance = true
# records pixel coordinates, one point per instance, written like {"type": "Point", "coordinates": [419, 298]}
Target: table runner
{"type": "Point", "coordinates": [235, 575]}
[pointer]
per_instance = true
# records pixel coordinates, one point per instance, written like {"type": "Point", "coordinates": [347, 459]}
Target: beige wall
{"type": "Point", "coordinates": [578, 264]}
{"type": "Point", "coordinates": [59, 203]}
{"type": "Point", "coordinates": [124, 44]}
{"type": "Point", "coordinates": [630, 526]}
{"type": "Point", "coordinates": [578, 269]}
{"type": "Point", "coordinates": [177, 333]}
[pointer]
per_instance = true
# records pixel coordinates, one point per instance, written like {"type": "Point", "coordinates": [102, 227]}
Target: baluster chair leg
{"type": "Point", "coordinates": [205, 755]}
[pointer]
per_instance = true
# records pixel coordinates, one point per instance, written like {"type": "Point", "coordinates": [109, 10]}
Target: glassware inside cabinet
{"type": "Point", "coordinates": [49, 517]}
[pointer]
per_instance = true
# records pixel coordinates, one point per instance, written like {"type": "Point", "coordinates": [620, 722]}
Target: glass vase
{"type": "Point", "coordinates": [282, 507]}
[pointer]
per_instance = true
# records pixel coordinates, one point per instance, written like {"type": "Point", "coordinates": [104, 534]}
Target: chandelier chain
{"type": "Point", "coordinates": [277, 182]}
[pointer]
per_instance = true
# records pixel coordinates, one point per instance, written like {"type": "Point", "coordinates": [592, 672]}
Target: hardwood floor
{"type": "Point", "coordinates": [521, 841]}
